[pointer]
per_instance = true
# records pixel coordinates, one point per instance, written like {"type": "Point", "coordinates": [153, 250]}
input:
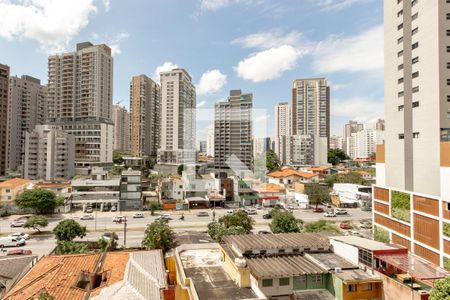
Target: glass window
{"type": "Point", "coordinates": [267, 282]}
{"type": "Point", "coordinates": [367, 287]}
{"type": "Point", "coordinates": [351, 288]}
{"type": "Point", "coordinates": [284, 281]}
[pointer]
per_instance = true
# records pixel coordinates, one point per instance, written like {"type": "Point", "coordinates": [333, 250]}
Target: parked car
{"type": "Point", "coordinates": [318, 210]}
{"type": "Point", "coordinates": [264, 232]}
{"type": "Point", "coordinates": [22, 235]}
{"type": "Point", "coordinates": [87, 217]}
{"type": "Point", "coordinates": [267, 216]}
{"type": "Point", "coordinates": [251, 211]}
{"type": "Point", "coordinates": [11, 242]}
{"type": "Point", "coordinates": [89, 209]}
{"type": "Point", "coordinates": [257, 206]}
{"type": "Point", "coordinates": [202, 214]}
{"type": "Point", "coordinates": [118, 219]}
{"type": "Point", "coordinates": [19, 252]}
{"type": "Point", "coordinates": [138, 216]}
{"type": "Point", "coordinates": [114, 208]}
{"type": "Point", "coordinates": [341, 211]}
{"type": "Point", "coordinates": [164, 217]}
{"type": "Point", "coordinates": [329, 214]}
{"type": "Point", "coordinates": [230, 211]}
{"type": "Point", "coordinates": [110, 235]}
{"type": "Point", "coordinates": [355, 233]}
{"type": "Point", "coordinates": [366, 225]}
{"type": "Point", "coordinates": [18, 223]}
{"type": "Point", "coordinates": [344, 226]}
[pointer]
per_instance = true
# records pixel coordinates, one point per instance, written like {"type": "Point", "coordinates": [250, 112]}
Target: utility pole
{"type": "Point", "coordinates": [125, 232]}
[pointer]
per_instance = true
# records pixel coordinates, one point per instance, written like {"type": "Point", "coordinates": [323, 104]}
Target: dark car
{"type": "Point", "coordinates": [264, 232]}
{"type": "Point", "coordinates": [318, 210]}
{"type": "Point", "coordinates": [267, 216]}
{"type": "Point", "coordinates": [19, 252]}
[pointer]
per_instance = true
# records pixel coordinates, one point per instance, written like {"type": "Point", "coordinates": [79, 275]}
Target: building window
{"type": "Point", "coordinates": [415, 74]}
{"type": "Point", "coordinates": [401, 107]}
{"type": "Point", "coordinates": [267, 282]}
{"type": "Point", "coordinates": [415, 45]}
{"type": "Point", "coordinates": [415, 60]}
{"type": "Point", "coordinates": [448, 98]}
{"type": "Point", "coordinates": [414, 16]}
{"type": "Point", "coordinates": [415, 104]}
{"type": "Point", "coordinates": [448, 205]}
{"type": "Point", "coordinates": [400, 94]}
{"type": "Point", "coordinates": [351, 288]}
{"type": "Point", "coordinates": [400, 26]}
{"type": "Point", "coordinates": [401, 136]}
{"type": "Point", "coordinates": [367, 287]}
{"type": "Point", "coordinates": [399, 40]}
{"type": "Point", "coordinates": [400, 80]}
{"type": "Point", "coordinates": [415, 135]}
{"type": "Point", "coordinates": [284, 281]}
{"type": "Point", "coordinates": [448, 115]}
{"type": "Point", "coordinates": [317, 279]}
{"type": "Point", "coordinates": [448, 15]}
{"type": "Point", "coordinates": [8, 191]}
{"type": "Point", "coordinates": [414, 31]}
{"type": "Point", "coordinates": [448, 48]}
{"type": "Point", "coordinates": [448, 32]}
{"type": "Point", "coordinates": [415, 89]}
{"type": "Point", "coordinates": [400, 53]}
{"type": "Point", "coordinates": [414, 2]}
{"type": "Point", "coordinates": [400, 67]}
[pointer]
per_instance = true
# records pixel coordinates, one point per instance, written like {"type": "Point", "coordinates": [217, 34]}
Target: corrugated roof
{"type": "Point", "coordinates": [15, 182]}
{"type": "Point", "coordinates": [10, 267]}
{"type": "Point", "coordinates": [283, 266]}
{"type": "Point", "coordinates": [363, 243]}
{"type": "Point", "coordinates": [278, 241]}
{"type": "Point", "coordinates": [330, 261]}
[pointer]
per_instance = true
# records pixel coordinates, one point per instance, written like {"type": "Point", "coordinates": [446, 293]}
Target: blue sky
{"type": "Point", "coordinates": [258, 46]}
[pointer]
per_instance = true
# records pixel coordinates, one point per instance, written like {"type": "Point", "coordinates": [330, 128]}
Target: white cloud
{"type": "Point", "coordinates": [337, 87]}
{"type": "Point", "coordinates": [166, 66]}
{"type": "Point", "coordinates": [211, 82]}
{"type": "Point", "coordinates": [53, 23]}
{"type": "Point", "coordinates": [106, 4]}
{"type": "Point", "coordinates": [201, 104]}
{"type": "Point", "coordinates": [360, 109]}
{"type": "Point", "coordinates": [336, 5]}
{"type": "Point", "coordinates": [362, 52]}
{"type": "Point", "coordinates": [213, 5]}
{"type": "Point", "coordinates": [115, 43]}
{"type": "Point", "coordinates": [270, 39]}
{"type": "Point", "coordinates": [268, 64]}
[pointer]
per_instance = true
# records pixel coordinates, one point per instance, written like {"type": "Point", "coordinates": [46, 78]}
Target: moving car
{"type": "Point", "coordinates": [109, 235]}
{"type": "Point", "coordinates": [267, 216]}
{"type": "Point", "coordinates": [19, 252]}
{"type": "Point", "coordinates": [344, 226]}
{"type": "Point", "coordinates": [138, 216]}
{"type": "Point", "coordinates": [18, 223]}
{"type": "Point", "coordinates": [355, 233]}
{"type": "Point", "coordinates": [11, 242]}
{"type": "Point", "coordinates": [318, 210]}
{"type": "Point", "coordinates": [251, 211]}
{"type": "Point", "coordinates": [341, 211]}
{"type": "Point", "coordinates": [329, 214]}
{"type": "Point", "coordinates": [257, 206]}
{"type": "Point", "coordinates": [164, 217]}
{"type": "Point", "coordinates": [22, 235]}
{"type": "Point", "coordinates": [118, 219]}
{"type": "Point", "coordinates": [87, 217]}
{"type": "Point", "coordinates": [89, 209]}
{"type": "Point", "coordinates": [202, 214]}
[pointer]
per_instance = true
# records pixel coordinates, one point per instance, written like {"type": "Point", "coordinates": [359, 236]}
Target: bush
{"type": "Point", "coordinates": [217, 231]}
{"type": "Point", "coordinates": [321, 226]}
{"type": "Point", "coordinates": [284, 222]}
{"type": "Point", "coordinates": [238, 219]}
{"type": "Point", "coordinates": [441, 290]}
{"type": "Point", "coordinates": [447, 229]}
{"type": "Point", "coordinates": [400, 206]}
{"type": "Point", "coordinates": [36, 222]}
{"type": "Point", "coordinates": [158, 235]}
{"type": "Point", "coordinates": [70, 247]}
{"type": "Point", "coordinates": [381, 235]}
{"type": "Point", "coordinates": [68, 229]}
{"type": "Point", "coordinates": [40, 200]}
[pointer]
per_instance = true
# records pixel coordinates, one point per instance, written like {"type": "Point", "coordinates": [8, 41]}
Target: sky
{"type": "Point", "coordinates": [258, 46]}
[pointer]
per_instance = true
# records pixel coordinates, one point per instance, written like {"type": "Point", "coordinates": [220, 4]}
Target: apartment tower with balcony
{"type": "Point", "coordinates": [122, 129]}
{"type": "Point", "coordinates": [145, 111]}
{"type": "Point", "coordinates": [282, 131]}
{"type": "Point", "coordinates": [4, 90]}
{"type": "Point", "coordinates": [411, 198]}
{"type": "Point", "coordinates": [178, 102]}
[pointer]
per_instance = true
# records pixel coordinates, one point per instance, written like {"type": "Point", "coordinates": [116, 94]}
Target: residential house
{"type": "Point", "coordinates": [322, 171]}
{"type": "Point", "coordinates": [9, 189]}
{"type": "Point", "coordinates": [270, 194]}
{"type": "Point", "coordinates": [289, 177]}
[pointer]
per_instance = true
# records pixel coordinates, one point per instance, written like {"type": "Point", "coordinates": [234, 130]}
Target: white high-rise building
{"type": "Point", "coordinates": [80, 87]}
{"type": "Point", "coordinates": [362, 144]}
{"type": "Point", "coordinates": [336, 142]}
{"type": "Point", "coordinates": [27, 108]}
{"type": "Point", "coordinates": [349, 128]}
{"type": "Point", "coordinates": [210, 143]}
{"type": "Point", "coordinates": [121, 117]}
{"type": "Point", "coordinates": [282, 131]}
{"type": "Point", "coordinates": [414, 162]}
{"type": "Point", "coordinates": [178, 103]}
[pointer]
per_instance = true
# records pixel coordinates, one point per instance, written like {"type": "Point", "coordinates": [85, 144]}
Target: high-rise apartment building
{"type": "Point", "coordinates": [282, 131]}
{"type": "Point", "coordinates": [122, 129]}
{"type": "Point", "coordinates": [362, 144]}
{"type": "Point", "coordinates": [80, 87]}
{"type": "Point", "coordinates": [210, 142]}
{"type": "Point", "coordinates": [4, 90]}
{"type": "Point", "coordinates": [412, 194]}
{"type": "Point", "coordinates": [145, 111]}
{"type": "Point", "coordinates": [178, 102]}
{"type": "Point", "coordinates": [27, 108]}
{"type": "Point", "coordinates": [233, 132]}
{"type": "Point", "coordinates": [49, 153]}
{"type": "Point", "coordinates": [311, 114]}
{"type": "Point", "coordinates": [336, 142]}
{"type": "Point", "coordinates": [350, 128]}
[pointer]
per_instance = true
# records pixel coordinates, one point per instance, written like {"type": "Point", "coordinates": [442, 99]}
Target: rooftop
{"type": "Point", "coordinates": [250, 242]}
{"type": "Point", "coordinates": [283, 266]}
{"type": "Point", "coordinates": [13, 183]}
{"type": "Point", "coordinates": [330, 261]}
{"type": "Point", "coordinates": [11, 266]}
{"type": "Point", "coordinates": [356, 276]}
{"type": "Point", "coordinates": [313, 295]}
{"type": "Point", "coordinates": [269, 188]}
{"type": "Point", "coordinates": [363, 243]}
{"type": "Point", "coordinates": [290, 172]}
{"type": "Point", "coordinates": [90, 182]}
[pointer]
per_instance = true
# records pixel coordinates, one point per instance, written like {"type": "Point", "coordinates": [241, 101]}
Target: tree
{"type": "Point", "coordinates": [68, 229]}
{"type": "Point", "coordinates": [336, 156]}
{"type": "Point", "coordinates": [71, 247]}
{"type": "Point", "coordinates": [154, 206]}
{"type": "Point", "coordinates": [317, 193]}
{"type": "Point", "coordinates": [272, 161]}
{"type": "Point", "coordinates": [180, 169]}
{"type": "Point", "coordinates": [441, 290]}
{"type": "Point", "coordinates": [158, 235]}
{"type": "Point", "coordinates": [238, 219]}
{"type": "Point", "coordinates": [36, 222]}
{"type": "Point", "coordinates": [321, 226]}
{"type": "Point", "coordinates": [217, 231]}
{"type": "Point", "coordinates": [40, 200]}
{"type": "Point", "coordinates": [350, 177]}
{"type": "Point", "coordinates": [118, 156]}
{"type": "Point", "coordinates": [284, 222]}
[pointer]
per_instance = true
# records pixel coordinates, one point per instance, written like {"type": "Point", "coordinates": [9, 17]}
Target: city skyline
{"type": "Point", "coordinates": [229, 54]}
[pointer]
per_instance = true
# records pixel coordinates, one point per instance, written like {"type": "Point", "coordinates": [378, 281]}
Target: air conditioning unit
{"type": "Point", "coordinates": [337, 270]}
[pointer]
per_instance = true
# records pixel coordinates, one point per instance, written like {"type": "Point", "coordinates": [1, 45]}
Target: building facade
{"type": "Point", "coordinates": [282, 131]}
{"type": "Point", "coordinates": [130, 191]}
{"type": "Point", "coordinates": [336, 142]}
{"type": "Point", "coordinates": [233, 132]}
{"type": "Point", "coordinates": [145, 111]}
{"type": "Point", "coordinates": [49, 153]}
{"type": "Point", "coordinates": [362, 144]}
{"type": "Point", "coordinates": [178, 102]}
{"type": "Point", "coordinates": [121, 117]}
{"type": "Point", "coordinates": [210, 142]}
{"type": "Point", "coordinates": [311, 114]}
{"type": "Point", "coordinates": [80, 87]}
{"type": "Point", "coordinates": [4, 90]}
{"type": "Point", "coordinates": [26, 109]}
{"type": "Point", "coordinates": [301, 150]}
{"type": "Point", "coordinates": [412, 194]}
{"type": "Point", "coordinates": [350, 128]}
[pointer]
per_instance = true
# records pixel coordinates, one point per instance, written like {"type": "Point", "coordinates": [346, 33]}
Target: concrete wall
{"type": "Point", "coordinates": [393, 290]}
{"type": "Point", "coordinates": [342, 249]}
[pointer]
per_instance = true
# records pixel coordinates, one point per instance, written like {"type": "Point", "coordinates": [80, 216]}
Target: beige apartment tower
{"type": "Point", "coordinates": [121, 118]}
{"type": "Point", "coordinates": [145, 110]}
{"type": "Point", "coordinates": [178, 102]}
{"type": "Point", "coordinates": [282, 131]}
{"type": "Point", "coordinates": [412, 194]}
{"type": "Point", "coordinates": [4, 90]}
{"type": "Point", "coordinates": [27, 108]}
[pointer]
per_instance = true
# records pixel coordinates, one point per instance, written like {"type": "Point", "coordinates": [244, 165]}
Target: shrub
{"type": "Point", "coordinates": [401, 206]}
{"type": "Point", "coordinates": [381, 235]}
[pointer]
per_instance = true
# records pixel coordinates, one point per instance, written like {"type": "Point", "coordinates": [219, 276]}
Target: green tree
{"type": "Point", "coordinates": [68, 229]}
{"type": "Point", "coordinates": [118, 156]}
{"type": "Point", "coordinates": [217, 231]}
{"type": "Point", "coordinates": [158, 235]}
{"type": "Point", "coordinates": [180, 169]}
{"type": "Point", "coordinates": [153, 207]}
{"type": "Point", "coordinates": [71, 247]}
{"type": "Point", "coordinates": [321, 226]}
{"type": "Point", "coordinates": [350, 177]}
{"type": "Point", "coordinates": [380, 235]}
{"type": "Point", "coordinates": [441, 290]}
{"type": "Point", "coordinates": [272, 161]}
{"type": "Point", "coordinates": [238, 219]}
{"type": "Point", "coordinates": [317, 193]}
{"type": "Point", "coordinates": [40, 200]}
{"type": "Point", "coordinates": [336, 156]}
{"type": "Point", "coordinates": [284, 222]}
{"type": "Point", "coordinates": [36, 222]}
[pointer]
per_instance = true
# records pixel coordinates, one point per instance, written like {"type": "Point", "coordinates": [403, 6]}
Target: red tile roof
{"type": "Point", "coordinates": [291, 172]}
{"type": "Point", "coordinates": [15, 182]}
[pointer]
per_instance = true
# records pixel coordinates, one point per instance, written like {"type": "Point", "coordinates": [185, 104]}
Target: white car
{"type": "Point", "coordinates": [251, 211]}
{"type": "Point", "coordinates": [138, 216]}
{"type": "Point", "coordinates": [22, 235]}
{"type": "Point", "coordinates": [329, 214]}
{"type": "Point", "coordinates": [11, 242]}
{"type": "Point", "coordinates": [117, 219]}
{"type": "Point", "coordinates": [164, 217]}
{"type": "Point", "coordinates": [87, 217]}
{"type": "Point", "coordinates": [18, 223]}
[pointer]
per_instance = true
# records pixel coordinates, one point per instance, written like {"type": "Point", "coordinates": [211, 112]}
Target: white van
{"type": "Point", "coordinates": [11, 242]}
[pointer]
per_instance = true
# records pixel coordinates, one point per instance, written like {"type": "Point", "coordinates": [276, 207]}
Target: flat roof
{"type": "Point", "coordinates": [356, 275]}
{"type": "Point", "coordinates": [330, 261]}
{"type": "Point", "coordinates": [363, 243]}
{"type": "Point", "coordinates": [319, 294]}
{"type": "Point", "coordinates": [278, 241]}
{"type": "Point", "coordinates": [283, 266]}
{"type": "Point", "coordinates": [90, 182]}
